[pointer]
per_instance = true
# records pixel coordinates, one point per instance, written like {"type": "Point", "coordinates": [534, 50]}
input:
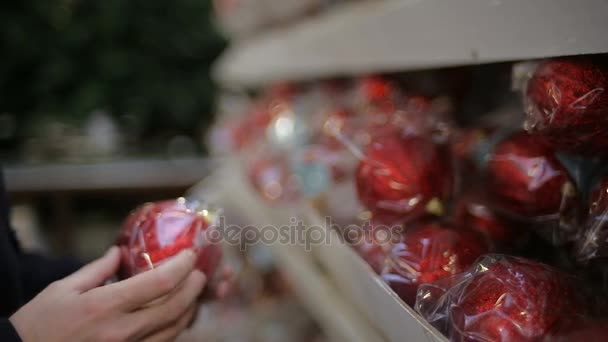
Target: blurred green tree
{"type": "Point", "coordinates": [146, 58]}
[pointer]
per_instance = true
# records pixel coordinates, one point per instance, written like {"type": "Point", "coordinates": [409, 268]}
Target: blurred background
{"type": "Point", "coordinates": [104, 105]}
{"type": "Point", "coordinates": [107, 88]}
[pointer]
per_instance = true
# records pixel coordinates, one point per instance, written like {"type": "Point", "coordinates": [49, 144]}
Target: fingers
{"type": "Point", "coordinates": [225, 285]}
{"type": "Point", "coordinates": [95, 273]}
{"type": "Point", "coordinates": [221, 286]}
{"type": "Point", "coordinates": [158, 316]}
{"type": "Point", "coordinates": [145, 287]}
{"type": "Point", "coordinates": [170, 333]}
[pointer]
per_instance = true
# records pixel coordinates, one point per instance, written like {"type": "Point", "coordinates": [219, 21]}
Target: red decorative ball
{"type": "Point", "coordinates": [526, 179]}
{"type": "Point", "coordinates": [594, 240]}
{"type": "Point", "coordinates": [428, 252]}
{"type": "Point", "coordinates": [473, 211]}
{"type": "Point", "coordinates": [154, 232]}
{"type": "Point", "coordinates": [512, 299]}
{"type": "Point", "coordinates": [566, 99]}
{"type": "Point", "coordinates": [404, 177]}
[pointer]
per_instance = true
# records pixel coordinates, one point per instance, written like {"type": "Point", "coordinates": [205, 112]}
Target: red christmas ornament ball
{"type": "Point", "coordinates": [567, 100]}
{"type": "Point", "coordinates": [430, 251]}
{"type": "Point", "coordinates": [526, 179]}
{"type": "Point", "coordinates": [154, 232]}
{"type": "Point", "coordinates": [404, 177]}
{"type": "Point", "coordinates": [513, 300]}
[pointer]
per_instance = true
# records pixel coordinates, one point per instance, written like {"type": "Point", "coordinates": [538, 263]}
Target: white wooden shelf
{"type": "Point", "coordinates": [124, 174]}
{"type": "Point", "coordinates": [399, 35]}
{"type": "Point", "coordinates": [349, 301]}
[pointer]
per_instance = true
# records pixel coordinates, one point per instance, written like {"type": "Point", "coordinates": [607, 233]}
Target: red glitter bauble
{"type": "Point", "coordinates": [157, 231]}
{"type": "Point", "coordinates": [404, 177]}
{"type": "Point", "coordinates": [473, 211]}
{"type": "Point", "coordinates": [527, 180]}
{"type": "Point", "coordinates": [428, 252]}
{"type": "Point", "coordinates": [567, 100]}
{"type": "Point", "coordinates": [512, 299]}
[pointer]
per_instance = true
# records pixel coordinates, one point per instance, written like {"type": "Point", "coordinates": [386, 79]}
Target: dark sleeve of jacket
{"type": "Point", "coordinates": [23, 274]}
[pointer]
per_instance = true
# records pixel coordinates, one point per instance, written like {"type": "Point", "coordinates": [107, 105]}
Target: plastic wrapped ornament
{"type": "Point", "coordinates": [566, 99]}
{"type": "Point", "coordinates": [404, 177]}
{"type": "Point", "coordinates": [526, 180]}
{"type": "Point", "coordinates": [430, 251]}
{"type": "Point", "coordinates": [154, 232]}
{"type": "Point", "coordinates": [594, 240]}
{"type": "Point", "coordinates": [502, 299]}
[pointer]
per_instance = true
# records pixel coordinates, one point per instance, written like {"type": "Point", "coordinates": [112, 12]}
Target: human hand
{"type": "Point", "coordinates": [155, 305]}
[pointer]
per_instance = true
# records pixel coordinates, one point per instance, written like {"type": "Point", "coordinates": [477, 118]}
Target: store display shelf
{"type": "Point", "coordinates": [317, 291]}
{"type": "Point", "coordinates": [369, 294]}
{"type": "Point", "coordinates": [125, 174]}
{"type": "Point", "coordinates": [400, 35]}
{"type": "Point", "coordinates": [340, 289]}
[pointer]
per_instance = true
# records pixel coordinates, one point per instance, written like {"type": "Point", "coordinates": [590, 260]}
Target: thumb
{"type": "Point", "coordinates": [97, 272]}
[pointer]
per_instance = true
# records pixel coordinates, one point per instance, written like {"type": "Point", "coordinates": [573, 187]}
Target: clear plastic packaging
{"type": "Point", "coordinates": [430, 251]}
{"type": "Point", "coordinates": [593, 243]}
{"type": "Point", "coordinates": [156, 231]}
{"type": "Point", "coordinates": [527, 181]}
{"type": "Point", "coordinates": [501, 299]}
{"type": "Point", "coordinates": [403, 177]}
{"type": "Point", "coordinates": [566, 100]}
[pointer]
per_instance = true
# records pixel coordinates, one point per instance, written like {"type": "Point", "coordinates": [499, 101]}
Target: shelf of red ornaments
{"type": "Point", "coordinates": [481, 225]}
{"type": "Point", "coordinates": [229, 188]}
{"type": "Point", "coordinates": [388, 36]}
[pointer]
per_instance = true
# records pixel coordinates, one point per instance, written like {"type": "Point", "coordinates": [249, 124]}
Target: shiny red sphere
{"type": "Point", "coordinates": [404, 177]}
{"type": "Point", "coordinates": [513, 300]}
{"type": "Point", "coordinates": [157, 231]}
{"type": "Point", "coordinates": [566, 99]}
{"type": "Point", "coordinates": [526, 179]}
{"type": "Point", "coordinates": [428, 252]}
